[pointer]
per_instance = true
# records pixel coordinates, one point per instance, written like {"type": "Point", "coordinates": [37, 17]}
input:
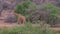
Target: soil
{"type": "Point", "coordinates": [4, 24]}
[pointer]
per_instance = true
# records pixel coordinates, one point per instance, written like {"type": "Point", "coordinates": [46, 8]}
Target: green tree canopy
{"type": "Point", "coordinates": [22, 6]}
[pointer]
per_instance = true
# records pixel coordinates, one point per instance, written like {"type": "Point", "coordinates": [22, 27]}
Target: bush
{"type": "Point", "coordinates": [45, 12]}
{"type": "Point", "coordinates": [53, 13]}
{"type": "Point", "coordinates": [21, 7]}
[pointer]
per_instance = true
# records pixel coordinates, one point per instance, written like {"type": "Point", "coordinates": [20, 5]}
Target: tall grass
{"type": "Point", "coordinates": [27, 29]}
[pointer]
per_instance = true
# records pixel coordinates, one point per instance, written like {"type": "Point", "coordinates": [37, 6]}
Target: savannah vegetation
{"type": "Point", "coordinates": [34, 15]}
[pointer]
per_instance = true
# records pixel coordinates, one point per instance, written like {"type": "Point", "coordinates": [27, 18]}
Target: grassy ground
{"type": "Point", "coordinates": [13, 27]}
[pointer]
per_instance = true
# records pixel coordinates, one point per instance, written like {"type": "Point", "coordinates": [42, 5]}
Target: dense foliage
{"type": "Point", "coordinates": [22, 7]}
{"type": "Point", "coordinates": [45, 12]}
{"type": "Point", "coordinates": [52, 16]}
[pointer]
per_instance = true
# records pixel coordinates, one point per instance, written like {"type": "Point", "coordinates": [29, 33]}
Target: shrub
{"type": "Point", "coordinates": [21, 7]}
{"type": "Point", "coordinates": [53, 13]}
{"type": "Point", "coordinates": [45, 12]}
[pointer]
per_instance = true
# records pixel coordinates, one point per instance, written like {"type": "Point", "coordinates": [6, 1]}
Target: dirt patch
{"type": "Point", "coordinates": [56, 29]}
{"type": "Point", "coordinates": [3, 24]}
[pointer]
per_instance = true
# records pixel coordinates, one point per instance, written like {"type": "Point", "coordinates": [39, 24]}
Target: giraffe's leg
{"type": "Point", "coordinates": [24, 21]}
{"type": "Point", "coordinates": [19, 22]}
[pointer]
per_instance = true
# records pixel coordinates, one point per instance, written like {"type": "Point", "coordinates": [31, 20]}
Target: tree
{"type": "Point", "coordinates": [21, 7]}
{"type": "Point", "coordinates": [53, 12]}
